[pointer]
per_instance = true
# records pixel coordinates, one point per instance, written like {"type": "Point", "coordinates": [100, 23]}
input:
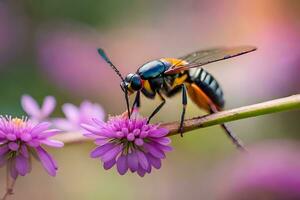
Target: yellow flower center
{"type": "Point", "coordinates": [18, 122]}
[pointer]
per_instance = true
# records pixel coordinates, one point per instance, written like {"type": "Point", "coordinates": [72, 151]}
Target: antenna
{"type": "Point", "coordinates": [104, 56]}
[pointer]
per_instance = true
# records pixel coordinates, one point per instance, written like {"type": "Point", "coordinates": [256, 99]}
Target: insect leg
{"type": "Point", "coordinates": [136, 102]}
{"type": "Point", "coordinates": [127, 102]}
{"type": "Point", "coordinates": [184, 103]}
{"type": "Point", "coordinates": [236, 141]}
{"type": "Point", "coordinates": [158, 107]}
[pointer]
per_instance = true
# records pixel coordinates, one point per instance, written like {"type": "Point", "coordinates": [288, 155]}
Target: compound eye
{"type": "Point", "coordinates": [136, 82]}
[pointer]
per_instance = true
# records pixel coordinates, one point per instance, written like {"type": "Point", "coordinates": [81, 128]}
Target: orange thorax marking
{"type": "Point", "coordinates": [175, 61]}
{"type": "Point", "coordinates": [147, 86]}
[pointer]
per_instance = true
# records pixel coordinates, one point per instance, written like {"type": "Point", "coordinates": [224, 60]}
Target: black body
{"type": "Point", "coordinates": [208, 84]}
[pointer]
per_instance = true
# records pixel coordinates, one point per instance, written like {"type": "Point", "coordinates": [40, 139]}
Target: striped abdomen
{"type": "Point", "coordinates": [208, 84]}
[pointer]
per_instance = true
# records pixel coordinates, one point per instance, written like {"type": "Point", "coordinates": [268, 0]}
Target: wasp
{"type": "Point", "coordinates": [166, 77]}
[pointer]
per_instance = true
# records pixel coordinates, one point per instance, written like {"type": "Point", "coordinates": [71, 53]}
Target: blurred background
{"type": "Point", "coordinates": [49, 48]}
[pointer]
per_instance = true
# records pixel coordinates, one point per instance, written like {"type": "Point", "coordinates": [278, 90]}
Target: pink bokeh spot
{"type": "Point", "coordinates": [12, 32]}
{"type": "Point", "coordinates": [271, 168]}
{"type": "Point", "coordinates": [70, 58]}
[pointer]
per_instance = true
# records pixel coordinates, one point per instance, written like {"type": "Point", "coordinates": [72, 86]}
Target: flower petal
{"type": "Point", "coordinates": [161, 147]}
{"type": "Point", "coordinates": [71, 112]}
{"type": "Point", "coordinates": [30, 106]}
{"type": "Point", "coordinates": [34, 143]}
{"type": "Point", "coordinates": [24, 151]}
{"type": "Point", "coordinates": [13, 146]}
{"type": "Point", "coordinates": [101, 150]}
{"type": "Point", "coordinates": [156, 152]}
{"type": "Point", "coordinates": [162, 141]}
{"type": "Point", "coordinates": [13, 171]}
{"type": "Point", "coordinates": [3, 149]}
{"type": "Point", "coordinates": [143, 161]}
{"type": "Point", "coordinates": [149, 168]}
{"type": "Point", "coordinates": [111, 154]}
{"type": "Point", "coordinates": [48, 106]}
{"type": "Point", "coordinates": [141, 172]}
{"type": "Point", "coordinates": [2, 141]}
{"type": "Point", "coordinates": [155, 162]}
{"type": "Point", "coordinates": [91, 110]}
{"type": "Point", "coordinates": [133, 162]}
{"type": "Point", "coordinates": [64, 124]}
{"type": "Point", "coordinates": [38, 129]}
{"type": "Point", "coordinates": [109, 164]}
{"type": "Point", "coordinates": [110, 133]}
{"type": "Point", "coordinates": [91, 128]}
{"type": "Point", "coordinates": [99, 112]}
{"type": "Point", "coordinates": [22, 165]}
{"type": "Point", "coordinates": [122, 165]}
{"type": "Point", "coordinates": [53, 143]}
{"type": "Point", "coordinates": [2, 134]}
{"type": "Point", "coordinates": [49, 133]}
{"type": "Point", "coordinates": [101, 141]}
{"type": "Point", "coordinates": [47, 161]}
{"type": "Point", "coordinates": [89, 135]}
{"type": "Point", "coordinates": [161, 132]}
{"type": "Point", "coordinates": [98, 122]}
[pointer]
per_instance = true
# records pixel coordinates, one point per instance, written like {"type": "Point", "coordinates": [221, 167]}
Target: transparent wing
{"type": "Point", "coordinates": [203, 57]}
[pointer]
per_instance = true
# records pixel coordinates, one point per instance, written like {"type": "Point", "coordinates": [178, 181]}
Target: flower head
{"type": "Point", "coordinates": [35, 112]}
{"type": "Point", "coordinates": [19, 138]}
{"type": "Point", "coordinates": [79, 115]}
{"type": "Point", "coordinates": [131, 144]}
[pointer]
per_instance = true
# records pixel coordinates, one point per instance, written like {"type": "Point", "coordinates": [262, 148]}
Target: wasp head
{"type": "Point", "coordinates": [132, 83]}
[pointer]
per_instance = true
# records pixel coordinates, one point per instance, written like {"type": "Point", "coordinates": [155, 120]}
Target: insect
{"type": "Point", "coordinates": [166, 77]}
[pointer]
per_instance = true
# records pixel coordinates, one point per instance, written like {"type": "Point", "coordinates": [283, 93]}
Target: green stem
{"type": "Point", "coordinates": [10, 183]}
{"type": "Point", "coordinates": [278, 105]}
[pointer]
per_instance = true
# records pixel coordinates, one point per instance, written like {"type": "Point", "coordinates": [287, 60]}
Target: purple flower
{"type": "Point", "coordinates": [19, 138]}
{"type": "Point", "coordinates": [36, 113]}
{"type": "Point", "coordinates": [270, 171]}
{"type": "Point", "coordinates": [79, 115]}
{"type": "Point", "coordinates": [131, 144]}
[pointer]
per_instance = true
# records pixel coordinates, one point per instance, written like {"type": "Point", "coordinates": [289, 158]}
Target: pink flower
{"type": "Point", "coordinates": [35, 112]}
{"type": "Point", "coordinates": [79, 115]}
{"type": "Point", "coordinates": [131, 144]}
{"type": "Point", "coordinates": [19, 138]}
{"type": "Point", "coordinates": [270, 171]}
